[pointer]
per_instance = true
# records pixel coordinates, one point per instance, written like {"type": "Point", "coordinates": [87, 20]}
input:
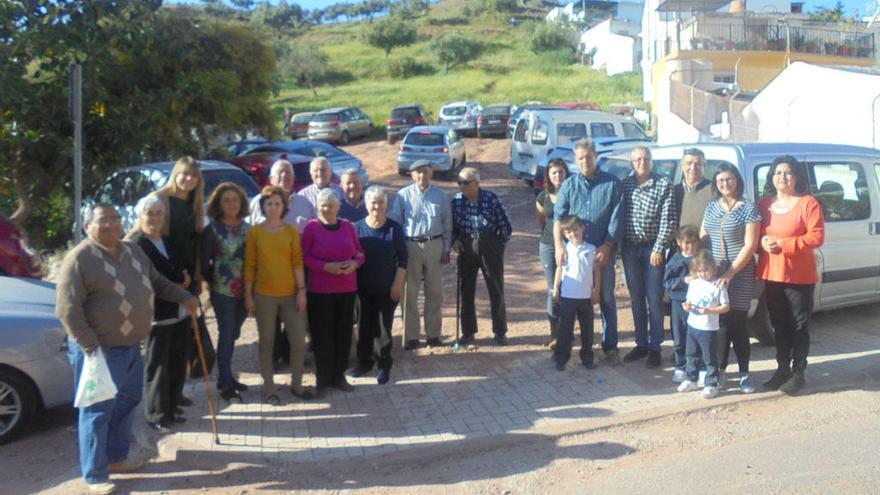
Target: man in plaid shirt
{"type": "Point", "coordinates": [648, 210]}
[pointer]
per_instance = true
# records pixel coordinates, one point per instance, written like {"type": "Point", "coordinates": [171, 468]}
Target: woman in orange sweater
{"type": "Point", "coordinates": [274, 287]}
{"type": "Point", "coordinates": [793, 226]}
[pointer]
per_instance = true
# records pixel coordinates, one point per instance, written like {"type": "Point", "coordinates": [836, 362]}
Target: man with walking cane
{"type": "Point", "coordinates": [480, 231]}
{"type": "Point", "coordinates": [104, 300]}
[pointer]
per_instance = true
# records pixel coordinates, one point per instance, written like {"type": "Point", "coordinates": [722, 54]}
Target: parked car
{"type": "Point", "coordinates": [844, 179]}
{"type": "Point", "coordinates": [340, 160]}
{"type": "Point", "coordinates": [237, 148]}
{"type": "Point", "coordinates": [604, 146]}
{"type": "Point", "coordinates": [539, 132]}
{"type": "Point", "coordinates": [339, 125]}
{"type": "Point", "coordinates": [403, 118]}
{"type": "Point", "coordinates": [440, 145]}
{"type": "Point", "coordinates": [17, 259]}
{"type": "Point", "coordinates": [461, 116]}
{"type": "Point", "coordinates": [125, 187]}
{"type": "Point", "coordinates": [298, 127]}
{"type": "Point", "coordinates": [34, 371]}
{"type": "Point", "coordinates": [493, 120]}
{"type": "Point", "coordinates": [517, 114]}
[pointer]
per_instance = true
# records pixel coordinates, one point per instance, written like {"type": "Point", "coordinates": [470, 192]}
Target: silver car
{"type": "Point", "coordinates": [461, 116]}
{"type": "Point", "coordinates": [34, 371]}
{"type": "Point", "coordinates": [440, 145]}
{"type": "Point", "coordinates": [339, 125]}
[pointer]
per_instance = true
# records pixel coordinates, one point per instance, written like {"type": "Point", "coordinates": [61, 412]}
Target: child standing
{"type": "Point", "coordinates": [676, 281]}
{"type": "Point", "coordinates": [575, 287]}
{"type": "Point", "coordinates": [705, 301]}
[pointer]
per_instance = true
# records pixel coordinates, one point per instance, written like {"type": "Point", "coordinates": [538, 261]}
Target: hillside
{"type": "Point", "coordinates": [507, 71]}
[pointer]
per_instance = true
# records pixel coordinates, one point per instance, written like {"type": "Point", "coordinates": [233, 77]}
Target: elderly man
{"type": "Point", "coordinates": [648, 212]}
{"type": "Point", "coordinates": [352, 206]}
{"type": "Point", "coordinates": [321, 173]}
{"type": "Point", "coordinates": [299, 212]}
{"type": "Point", "coordinates": [593, 196]}
{"type": "Point", "coordinates": [424, 211]}
{"type": "Point", "coordinates": [480, 230]}
{"type": "Point", "coordinates": [105, 302]}
{"type": "Point", "coordinates": [694, 193]}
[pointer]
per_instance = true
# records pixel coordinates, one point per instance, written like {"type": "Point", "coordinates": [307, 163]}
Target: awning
{"type": "Point", "coordinates": [691, 5]}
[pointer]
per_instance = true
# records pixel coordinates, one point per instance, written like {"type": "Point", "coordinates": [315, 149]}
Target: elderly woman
{"type": "Point", "coordinates": [732, 224]}
{"type": "Point", "coordinates": [222, 264]}
{"type": "Point", "coordinates": [165, 369]}
{"type": "Point", "coordinates": [274, 288]}
{"type": "Point", "coordinates": [554, 175]}
{"type": "Point", "coordinates": [333, 253]}
{"type": "Point", "coordinates": [793, 226]}
{"type": "Point", "coordinates": [379, 282]}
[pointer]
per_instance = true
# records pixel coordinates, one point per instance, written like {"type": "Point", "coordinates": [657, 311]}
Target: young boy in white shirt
{"type": "Point", "coordinates": [704, 303]}
{"type": "Point", "coordinates": [576, 288]}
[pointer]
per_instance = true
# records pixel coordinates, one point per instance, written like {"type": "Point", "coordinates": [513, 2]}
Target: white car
{"type": "Point", "coordinates": [461, 116]}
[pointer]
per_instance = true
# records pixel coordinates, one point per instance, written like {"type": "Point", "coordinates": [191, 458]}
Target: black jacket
{"type": "Point", "coordinates": [173, 269]}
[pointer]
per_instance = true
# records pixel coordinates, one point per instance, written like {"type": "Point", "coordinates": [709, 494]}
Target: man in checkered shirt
{"type": "Point", "coordinates": [648, 212]}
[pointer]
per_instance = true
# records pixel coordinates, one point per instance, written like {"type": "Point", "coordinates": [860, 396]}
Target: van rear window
{"type": "Point", "coordinates": [602, 129]}
{"type": "Point", "coordinates": [419, 139]}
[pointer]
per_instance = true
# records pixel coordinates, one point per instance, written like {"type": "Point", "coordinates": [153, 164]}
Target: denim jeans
{"type": "Point", "coordinates": [104, 428]}
{"type": "Point", "coordinates": [645, 284]}
{"type": "Point", "coordinates": [547, 253]}
{"type": "Point", "coordinates": [678, 318]}
{"type": "Point", "coordinates": [702, 345]}
{"type": "Point", "coordinates": [230, 313]}
{"type": "Point", "coordinates": [608, 304]}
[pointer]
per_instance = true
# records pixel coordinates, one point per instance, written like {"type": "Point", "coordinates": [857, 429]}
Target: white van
{"type": "Point", "coordinates": [539, 132]}
{"type": "Point", "coordinates": [846, 182]}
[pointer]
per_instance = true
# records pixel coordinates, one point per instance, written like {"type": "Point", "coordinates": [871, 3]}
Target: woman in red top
{"type": "Point", "coordinates": [793, 226]}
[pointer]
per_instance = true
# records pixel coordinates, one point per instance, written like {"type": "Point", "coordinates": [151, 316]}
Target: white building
{"type": "Point", "coordinates": [613, 46]}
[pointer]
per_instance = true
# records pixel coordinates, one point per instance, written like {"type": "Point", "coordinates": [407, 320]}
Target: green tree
{"type": "Point", "coordinates": [390, 33]}
{"type": "Point", "coordinates": [552, 36]}
{"type": "Point", "coordinates": [825, 14]}
{"type": "Point", "coordinates": [304, 62]}
{"type": "Point", "coordinates": [453, 49]}
{"type": "Point", "coordinates": [410, 8]}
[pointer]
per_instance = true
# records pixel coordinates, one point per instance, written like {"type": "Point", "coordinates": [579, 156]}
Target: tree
{"type": "Point", "coordinates": [453, 49]}
{"type": "Point", "coordinates": [551, 36]}
{"type": "Point", "coordinates": [389, 33]}
{"type": "Point", "coordinates": [304, 62]}
{"type": "Point", "coordinates": [410, 8]}
{"type": "Point", "coordinates": [281, 17]}
{"type": "Point", "coordinates": [246, 5]}
{"type": "Point", "coordinates": [824, 14]}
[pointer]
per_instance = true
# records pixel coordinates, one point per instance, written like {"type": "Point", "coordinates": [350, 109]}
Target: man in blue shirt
{"type": "Point", "coordinates": [352, 206]}
{"type": "Point", "coordinates": [480, 230]}
{"type": "Point", "coordinates": [424, 211]}
{"type": "Point", "coordinates": [594, 196]}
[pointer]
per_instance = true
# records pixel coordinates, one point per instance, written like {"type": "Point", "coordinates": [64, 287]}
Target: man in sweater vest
{"type": "Point", "coordinates": [694, 193]}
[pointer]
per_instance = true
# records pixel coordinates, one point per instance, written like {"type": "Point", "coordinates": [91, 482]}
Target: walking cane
{"type": "Point", "coordinates": [456, 345]}
{"type": "Point", "coordinates": [211, 406]}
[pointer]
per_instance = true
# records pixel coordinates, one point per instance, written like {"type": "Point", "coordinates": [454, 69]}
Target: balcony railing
{"type": "Point", "coordinates": [764, 35]}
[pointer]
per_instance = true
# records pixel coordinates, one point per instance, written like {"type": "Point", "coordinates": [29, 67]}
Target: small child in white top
{"type": "Point", "coordinates": [576, 288]}
{"type": "Point", "coordinates": [704, 303]}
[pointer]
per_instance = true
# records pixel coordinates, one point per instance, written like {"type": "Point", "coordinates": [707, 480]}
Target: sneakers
{"type": "Point", "coordinates": [779, 377]}
{"type": "Point", "coordinates": [709, 392]}
{"type": "Point", "coordinates": [654, 360]}
{"type": "Point", "coordinates": [635, 354]}
{"type": "Point", "coordinates": [679, 376]}
{"type": "Point", "coordinates": [382, 377]}
{"type": "Point", "coordinates": [687, 386]}
{"type": "Point", "coordinates": [102, 488]}
{"type": "Point", "coordinates": [125, 466]}
{"type": "Point", "coordinates": [160, 428]}
{"type": "Point", "coordinates": [794, 384]}
{"type": "Point", "coordinates": [701, 380]}
{"type": "Point", "coordinates": [745, 384]}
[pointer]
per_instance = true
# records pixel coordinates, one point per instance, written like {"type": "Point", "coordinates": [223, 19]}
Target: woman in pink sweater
{"type": "Point", "coordinates": [333, 254]}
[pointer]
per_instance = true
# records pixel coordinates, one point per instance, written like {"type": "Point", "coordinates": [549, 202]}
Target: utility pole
{"type": "Point", "coordinates": [75, 101]}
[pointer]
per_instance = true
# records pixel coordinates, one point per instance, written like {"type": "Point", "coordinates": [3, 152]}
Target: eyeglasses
{"type": "Point", "coordinates": [462, 182]}
{"type": "Point", "coordinates": [726, 180]}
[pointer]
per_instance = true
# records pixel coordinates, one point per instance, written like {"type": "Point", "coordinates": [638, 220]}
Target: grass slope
{"type": "Point", "coordinates": [506, 72]}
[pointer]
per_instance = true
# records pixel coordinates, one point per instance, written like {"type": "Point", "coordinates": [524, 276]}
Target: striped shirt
{"type": "Point", "coordinates": [726, 249]}
{"type": "Point", "coordinates": [595, 201]}
{"type": "Point", "coordinates": [648, 212]}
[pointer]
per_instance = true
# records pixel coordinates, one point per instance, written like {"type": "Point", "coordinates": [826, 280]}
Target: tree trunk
{"type": "Point", "coordinates": [314, 91]}
{"type": "Point", "coordinates": [25, 207]}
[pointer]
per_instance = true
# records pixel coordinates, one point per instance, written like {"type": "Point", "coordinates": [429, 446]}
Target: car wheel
{"type": "Point", "coordinates": [759, 324]}
{"type": "Point", "coordinates": [344, 138]}
{"type": "Point", "coordinates": [18, 402]}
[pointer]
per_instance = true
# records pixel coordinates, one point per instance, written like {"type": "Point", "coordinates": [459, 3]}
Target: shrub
{"type": "Point", "coordinates": [453, 49]}
{"type": "Point", "coordinates": [551, 36]}
{"type": "Point", "coordinates": [405, 67]}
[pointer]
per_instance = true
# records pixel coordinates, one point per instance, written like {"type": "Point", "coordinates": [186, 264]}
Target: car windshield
{"type": "Point", "coordinates": [496, 111]}
{"type": "Point", "coordinates": [303, 119]}
{"type": "Point", "coordinates": [325, 117]}
{"type": "Point", "coordinates": [214, 177]}
{"type": "Point", "coordinates": [316, 150]}
{"type": "Point", "coordinates": [405, 113]}
{"type": "Point", "coordinates": [428, 139]}
{"type": "Point", "coordinates": [454, 110]}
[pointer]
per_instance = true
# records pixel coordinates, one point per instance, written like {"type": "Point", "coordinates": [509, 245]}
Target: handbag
{"type": "Point", "coordinates": [724, 263]}
{"type": "Point", "coordinates": [194, 365]}
{"type": "Point", "coordinates": [95, 382]}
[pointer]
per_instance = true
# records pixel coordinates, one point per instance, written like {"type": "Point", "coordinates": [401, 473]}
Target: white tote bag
{"type": "Point", "coordinates": [95, 383]}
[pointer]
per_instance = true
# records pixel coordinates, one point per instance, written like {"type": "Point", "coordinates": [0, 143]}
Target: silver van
{"type": "Point", "coordinates": [844, 179]}
{"type": "Point", "coordinates": [539, 132]}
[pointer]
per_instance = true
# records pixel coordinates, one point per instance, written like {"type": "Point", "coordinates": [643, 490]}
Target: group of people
{"type": "Point", "coordinates": [694, 243]}
{"type": "Point", "coordinates": [313, 263]}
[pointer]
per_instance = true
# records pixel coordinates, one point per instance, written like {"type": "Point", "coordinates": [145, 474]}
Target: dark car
{"type": "Point", "coordinates": [237, 148]}
{"type": "Point", "coordinates": [300, 154]}
{"type": "Point", "coordinates": [403, 118]}
{"type": "Point", "coordinates": [493, 120]}
{"type": "Point", "coordinates": [128, 185]}
{"type": "Point", "coordinates": [17, 259]}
